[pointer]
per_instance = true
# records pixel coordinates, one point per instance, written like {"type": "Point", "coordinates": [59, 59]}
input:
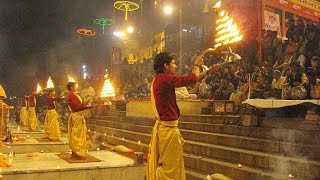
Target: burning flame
{"type": "Point", "coordinates": [39, 89]}
{"type": "Point", "coordinates": [227, 31]}
{"type": "Point", "coordinates": [50, 84]}
{"type": "Point", "coordinates": [71, 79]}
{"type": "Point", "coordinates": [218, 5]}
{"type": "Point", "coordinates": [107, 89]}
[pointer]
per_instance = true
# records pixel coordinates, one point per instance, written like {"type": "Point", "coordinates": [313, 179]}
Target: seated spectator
{"type": "Point", "coordinates": [277, 85]}
{"type": "Point", "coordinates": [205, 88]}
{"type": "Point", "coordinates": [296, 77]}
{"type": "Point", "coordinates": [278, 80]}
{"type": "Point", "coordinates": [240, 73]}
{"type": "Point", "coordinates": [183, 93]}
{"type": "Point", "coordinates": [289, 54]}
{"type": "Point", "coordinates": [225, 89]}
{"type": "Point", "coordinates": [240, 94]}
{"type": "Point", "coordinates": [302, 60]}
{"type": "Point", "coordinates": [260, 88]}
{"type": "Point", "coordinates": [143, 89]}
{"type": "Point", "coordinates": [313, 72]}
{"type": "Point", "coordinates": [256, 72]}
{"type": "Point", "coordinates": [267, 71]}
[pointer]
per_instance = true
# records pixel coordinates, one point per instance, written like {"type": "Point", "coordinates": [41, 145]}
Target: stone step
{"type": "Point", "coordinates": [183, 118]}
{"type": "Point", "coordinates": [205, 165]}
{"type": "Point", "coordinates": [32, 145]}
{"type": "Point", "coordinates": [116, 113]}
{"type": "Point", "coordinates": [231, 170]}
{"type": "Point", "coordinates": [192, 174]}
{"type": "Point", "coordinates": [290, 123]}
{"type": "Point", "coordinates": [29, 134]}
{"type": "Point", "coordinates": [277, 147]}
{"type": "Point", "coordinates": [216, 126]}
{"type": "Point", "coordinates": [265, 161]}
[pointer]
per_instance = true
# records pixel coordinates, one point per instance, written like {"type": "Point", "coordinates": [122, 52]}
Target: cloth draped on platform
{"type": "Point", "coordinates": [276, 103]}
{"type": "Point", "coordinates": [24, 116]}
{"type": "Point", "coordinates": [51, 124]}
{"type": "Point", "coordinates": [165, 158]}
{"type": "Point", "coordinates": [77, 133]}
{"type": "Point", "coordinates": [33, 120]}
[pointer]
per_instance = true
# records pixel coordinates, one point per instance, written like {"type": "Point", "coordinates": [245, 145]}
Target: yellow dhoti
{"type": "Point", "coordinates": [165, 158]}
{"type": "Point", "coordinates": [77, 133]}
{"type": "Point", "coordinates": [51, 124]}
{"type": "Point", "coordinates": [32, 120]}
{"type": "Point", "coordinates": [24, 115]}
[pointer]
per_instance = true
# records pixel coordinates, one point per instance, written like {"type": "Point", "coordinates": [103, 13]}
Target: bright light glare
{"type": "Point", "coordinates": [130, 29]}
{"type": "Point", "coordinates": [168, 10]}
{"type": "Point", "coordinates": [118, 34]}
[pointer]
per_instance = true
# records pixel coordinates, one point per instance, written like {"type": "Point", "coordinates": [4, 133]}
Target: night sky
{"type": "Point", "coordinates": [38, 39]}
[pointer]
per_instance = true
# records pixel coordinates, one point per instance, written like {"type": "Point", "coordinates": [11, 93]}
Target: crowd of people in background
{"type": "Point", "coordinates": [290, 70]}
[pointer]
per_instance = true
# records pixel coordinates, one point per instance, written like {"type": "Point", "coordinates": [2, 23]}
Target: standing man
{"type": "Point", "coordinates": [32, 120]}
{"type": "Point", "coordinates": [165, 159]}
{"type": "Point", "coordinates": [24, 112]}
{"type": "Point", "coordinates": [4, 108]}
{"type": "Point", "coordinates": [77, 130]}
{"type": "Point", "coordinates": [51, 123]}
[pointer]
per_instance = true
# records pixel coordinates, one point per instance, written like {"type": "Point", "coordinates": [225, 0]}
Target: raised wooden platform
{"type": "Point", "coordinates": [48, 166]}
{"type": "Point", "coordinates": [135, 108]}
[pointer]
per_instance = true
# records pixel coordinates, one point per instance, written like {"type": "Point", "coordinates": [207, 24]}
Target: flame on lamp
{"type": "Point", "coordinates": [50, 83]}
{"type": "Point", "coordinates": [71, 79]}
{"type": "Point", "coordinates": [39, 89]}
{"type": "Point", "coordinates": [227, 30]}
{"type": "Point", "coordinates": [217, 5]}
{"type": "Point", "coordinates": [107, 90]}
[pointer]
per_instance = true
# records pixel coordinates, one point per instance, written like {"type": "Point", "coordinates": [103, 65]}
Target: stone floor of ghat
{"type": "Point", "coordinates": [236, 146]}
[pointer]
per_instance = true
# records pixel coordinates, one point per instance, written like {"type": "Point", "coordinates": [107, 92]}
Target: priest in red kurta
{"type": "Point", "coordinates": [51, 123]}
{"type": "Point", "coordinates": [32, 120]}
{"type": "Point", "coordinates": [24, 111]}
{"type": "Point", "coordinates": [165, 159]}
{"type": "Point", "coordinates": [77, 130]}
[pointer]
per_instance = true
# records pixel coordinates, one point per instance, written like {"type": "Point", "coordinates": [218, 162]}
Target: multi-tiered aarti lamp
{"type": "Point", "coordinates": [227, 31]}
{"type": "Point", "coordinates": [107, 92]}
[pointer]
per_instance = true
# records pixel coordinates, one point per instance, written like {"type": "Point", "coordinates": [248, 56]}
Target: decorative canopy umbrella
{"type": "Point", "coordinates": [103, 22]}
{"type": "Point", "coordinates": [86, 32]}
{"type": "Point", "coordinates": [126, 6]}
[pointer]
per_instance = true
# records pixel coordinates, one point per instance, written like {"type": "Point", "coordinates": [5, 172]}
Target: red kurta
{"type": "Point", "coordinates": [50, 102]}
{"type": "Point", "coordinates": [75, 103]}
{"type": "Point", "coordinates": [164, 93]}
{"type": "Point", "coordinates": [32, 100]}
{"type": "Point", "coordinates": [24, 102]}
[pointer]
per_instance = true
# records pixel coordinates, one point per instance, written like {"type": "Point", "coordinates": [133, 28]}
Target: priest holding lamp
{"type": "Point", "coordinates": [32, 120]}
{"type": "Point", "coordinates": [77, 130]}
{"type": "Point", "coordinates": [51, 124]}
